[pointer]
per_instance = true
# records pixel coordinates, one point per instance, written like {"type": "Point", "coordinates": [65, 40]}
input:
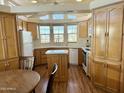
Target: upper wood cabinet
{"type": "Point", "coordinates": [83, 29]}
{"type": "Point", "coordinates": [115, 20]}
{"type": "Point", "coordinates": [108, 33]}
{"type": "Point", "coordinates": [100, 20]}
{"type": "Point", "coordinates": [10, 33]}
{"type": "Point", "coordinates": [2, 40]}
{"type": "Point", "coordinates": [32, 27]}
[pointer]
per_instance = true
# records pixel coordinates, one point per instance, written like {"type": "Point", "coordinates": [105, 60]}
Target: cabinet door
{"type": "Point", "coordinates": [90, 65]}
{"type": "Point", "coordinates": [2, 66]}
{"type": "Point", "coordinates": [10, 30]}
{"type": "Point", "coordinates": [113, 77]}
{"type": "Point", "coordinates": [122, 72]}
{"type": "Point", "coordinates": [99, 74]}
{"type": "Point", "coordinates": [115, 33]}
{"type": "Point", "coordinates": [32, 27]}
{"type": "Point", "coordinates": [37, 55]}
{"type": "Point", "coordinates": [83, 29]}
{"type": "Point", "coordinates": [12, 64]}
{"type": "Point", "coordinates": [100, 20]}
{"type": "Point", "coordinates": [2, 41]}
{"type": "Point", "coordinates": [64, 67]}
{"type": "Point", "coordinates": [80, 56]}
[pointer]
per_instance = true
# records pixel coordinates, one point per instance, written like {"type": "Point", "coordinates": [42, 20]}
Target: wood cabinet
{"type": "Point", "coordinates": [41, 57]}
{"type": "Point", "coordinates": [99, 75]}
{"type": "Point", "coordinates": [107, 76]}
{"type": "Point", "coordinates": [80, 56]}
{"type": "Point", "coordinates": [12, 64]}
{"type": "Point", "coordinates": [107, 45]}
{"type": "Point", "coordinates": [32, 27]}
{"type": "Point", "coordinates": [108, 33]}
{"type": "Point", "coordinates": [83, 29]}
{"type": "Point", "coordinates": [122, 68]}
{"type": "Point", "coordinates": [8, 40]}
{"type": "Point", "coordinates": [113, 77]}
{"type": "Point", "coordinates": [100, 19]}
{"type": "Point", "coordinates": [2, 40]}
{"type": "Point", "coordinates": [90, 65]}
{"type": "Point", "coordinates": [62, 61]}
{"type": "Point", "coordinates": [114, 36]}
{"type": "Point", "coordinates": [10, 36]}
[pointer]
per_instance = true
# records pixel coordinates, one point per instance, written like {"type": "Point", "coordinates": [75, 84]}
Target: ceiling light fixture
{"type": "Point", "coordinates": [34, 1]}
{"type": "Point", "coordinates": [79, 0]}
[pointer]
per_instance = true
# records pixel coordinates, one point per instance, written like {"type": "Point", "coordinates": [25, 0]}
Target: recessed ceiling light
{"type": "Point", "coordinates": [79, 0]}
{"type": "Point", "coordinates": [34, 1]}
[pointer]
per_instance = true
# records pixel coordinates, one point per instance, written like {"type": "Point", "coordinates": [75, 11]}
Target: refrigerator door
{"type": "Point", "coordinates": [26, 43]}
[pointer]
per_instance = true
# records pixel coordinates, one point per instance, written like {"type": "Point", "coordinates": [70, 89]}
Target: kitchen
{"type": "Point", "coordinates": [77, 43]}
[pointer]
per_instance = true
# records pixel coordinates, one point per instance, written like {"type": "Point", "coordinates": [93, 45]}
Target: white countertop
{"type": "Point", "coordinates": [56, 52]}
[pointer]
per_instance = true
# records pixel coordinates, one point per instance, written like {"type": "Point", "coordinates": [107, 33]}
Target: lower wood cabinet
{"type": "Point", "coordinates": [2, 66]}
{"type": "Point", "coordinates": [99, 74]}
{"type": "Point", "coordinates": [10, 64]}
{"type": "Point", "coordinates": [40, 55]}
{"type": "Point", "coordinates": [80, 56]}
{"type": "Point", "coordinates": [62, 61]}
{"type": "Point", "coordinates": [113, 77]}
{"type": "Point", "coordinates": [107, 76]}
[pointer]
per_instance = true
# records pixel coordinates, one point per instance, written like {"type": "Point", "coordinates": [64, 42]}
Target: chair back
{"type": "Point", "coordinates": [51, 78]}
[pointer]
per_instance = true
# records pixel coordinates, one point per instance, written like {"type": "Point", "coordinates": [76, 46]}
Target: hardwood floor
{"type": "Point", "coordinates": [77, 83]}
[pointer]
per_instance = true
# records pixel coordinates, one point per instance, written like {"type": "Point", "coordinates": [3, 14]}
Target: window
{"type": "Point", "coordinates": [58, 32]}
{"type": "Point", "coordinates": [58, 16]}
{"type": "Point", "coordinates": [72, 33]}
{"type": "Point", "coordinates": [45, 34]}
{"type": "Point", "coordinates": [11, 4]}
{"type": "Point", "coordinates": [1, 2]}
{"type": "Point", "coordinates": [71, 17]}
{"type": "Point", "coordinates": [46, 17]}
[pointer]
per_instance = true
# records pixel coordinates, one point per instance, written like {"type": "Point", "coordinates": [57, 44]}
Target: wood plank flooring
{"type": "Point", "coordinates": [77, 83]}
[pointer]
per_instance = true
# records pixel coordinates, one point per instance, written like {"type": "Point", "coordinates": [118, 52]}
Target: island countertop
{"type": "Point", "coordinates": [56, 52]}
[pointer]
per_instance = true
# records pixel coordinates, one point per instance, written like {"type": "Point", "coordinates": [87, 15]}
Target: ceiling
{"type": "Point", "coordinates": [29, 2]}
{"type": "Point", "coordinates": [45, 4]}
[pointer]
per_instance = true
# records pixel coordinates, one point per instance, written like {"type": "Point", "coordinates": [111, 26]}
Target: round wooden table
{"type": "Point", "coordinates": [18, 81]}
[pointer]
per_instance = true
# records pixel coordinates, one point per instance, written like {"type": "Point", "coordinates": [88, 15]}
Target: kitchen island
{"type": "Point", "coordinates": [59, 57]}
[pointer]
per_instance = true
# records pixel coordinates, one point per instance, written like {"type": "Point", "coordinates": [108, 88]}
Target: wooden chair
{"type": "Point", "coordinates": [51, 78]}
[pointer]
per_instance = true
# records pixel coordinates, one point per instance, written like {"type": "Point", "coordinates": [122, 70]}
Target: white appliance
{"type": "Point", "coordinates": [26, 49]}
{"type": "Point", "coordinates": [85, 59]}
{"type": "Point", "coordinates": [26, 43]}
{"type": "Point", "coordinates": [73, 56]}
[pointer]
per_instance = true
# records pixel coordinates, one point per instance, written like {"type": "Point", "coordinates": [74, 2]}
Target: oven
{"type": "Point", "coordinates": [85, 53]}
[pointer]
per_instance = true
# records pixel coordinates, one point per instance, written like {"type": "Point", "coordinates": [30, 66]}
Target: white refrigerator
{"type": "Point", "coordinates": [26, 47]}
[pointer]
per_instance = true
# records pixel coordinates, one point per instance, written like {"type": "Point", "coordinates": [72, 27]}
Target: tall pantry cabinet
{"type": "Point", "coordinates": [108, 28]}
{"type": "Point", "coordinates": [8, 42]}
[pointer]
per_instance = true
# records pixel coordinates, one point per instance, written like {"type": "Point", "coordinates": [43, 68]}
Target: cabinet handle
{"type": "Point", "coordinates": [105, 34]}
{"type": "Point", "coordinates": [108, 34]}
